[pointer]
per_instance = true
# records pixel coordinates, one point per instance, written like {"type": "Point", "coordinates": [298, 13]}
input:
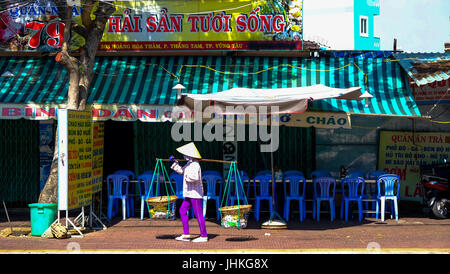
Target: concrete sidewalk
{"type": "Point", "coordinates": [411, 234]}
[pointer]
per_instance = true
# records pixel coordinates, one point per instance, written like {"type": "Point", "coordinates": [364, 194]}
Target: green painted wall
{"type": "Point", "coordinates": [296, 149]}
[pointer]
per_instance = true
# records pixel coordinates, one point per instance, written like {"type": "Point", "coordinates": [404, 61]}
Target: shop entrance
{"type": "Point", "coordinates": [119, 147]}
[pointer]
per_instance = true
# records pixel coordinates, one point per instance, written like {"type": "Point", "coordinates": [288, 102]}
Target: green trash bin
{"type": "Point", "coordinates": [42, 217]}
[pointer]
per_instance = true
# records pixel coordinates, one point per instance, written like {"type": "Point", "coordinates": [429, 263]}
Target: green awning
{"type": "Point", "coordinates": [149, 80]}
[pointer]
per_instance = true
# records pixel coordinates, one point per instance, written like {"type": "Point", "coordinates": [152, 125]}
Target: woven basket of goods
{"type": "Point", "coordinates": [160, 208]}
{"type": "Point", "coordinates": [235, 216]}
{"type": "Point", "coordinates": [235, 210]}
{"type": "Point", "coordinates": [161, 200]}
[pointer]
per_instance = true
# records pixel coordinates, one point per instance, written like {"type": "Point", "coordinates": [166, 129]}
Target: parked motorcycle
{"type": "Point", "coordinates": [435, 188]}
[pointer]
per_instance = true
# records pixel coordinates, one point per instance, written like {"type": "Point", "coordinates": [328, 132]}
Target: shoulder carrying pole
{"type": "Point", "coordinates": [203, 160]}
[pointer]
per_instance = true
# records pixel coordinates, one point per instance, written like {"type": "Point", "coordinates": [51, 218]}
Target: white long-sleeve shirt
{"type": "Point", "coordinates": [192, 178]}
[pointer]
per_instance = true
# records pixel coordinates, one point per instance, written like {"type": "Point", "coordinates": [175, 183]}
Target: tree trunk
{"type": "Point", "coordinates": [49, 193]}
{"type": "Point", "coordinates": [80, 71]}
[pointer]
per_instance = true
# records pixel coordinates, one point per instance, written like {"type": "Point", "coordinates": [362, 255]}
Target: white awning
{"type": "Point", "coordinates": [288, 100]}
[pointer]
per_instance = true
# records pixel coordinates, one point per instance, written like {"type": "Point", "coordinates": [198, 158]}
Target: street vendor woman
{"type": "Point", "coordinates": [192, 191]}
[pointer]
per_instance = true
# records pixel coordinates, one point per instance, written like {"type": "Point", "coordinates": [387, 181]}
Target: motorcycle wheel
{"type": "Point", "coordinates": [440, 208]}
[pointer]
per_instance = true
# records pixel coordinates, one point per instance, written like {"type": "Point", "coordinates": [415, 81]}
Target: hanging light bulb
{"type": "Point", "coordinates": [7, 74]}
{"type": "Point", "coordinates": [366, 96]}
{"type": "Point", "coordinates": [179, 87]}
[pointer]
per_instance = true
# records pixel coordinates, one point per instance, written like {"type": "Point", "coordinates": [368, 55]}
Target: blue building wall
{"type": "Point", "coordinates": [368, 8]}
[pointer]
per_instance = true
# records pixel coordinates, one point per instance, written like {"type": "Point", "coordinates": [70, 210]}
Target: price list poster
{"type": "Point", "coordinates": [75, 163]}
{"type": "Point", "coordinates": [403, 153]}
{"type": "Point", "coordinates": [97, 155]}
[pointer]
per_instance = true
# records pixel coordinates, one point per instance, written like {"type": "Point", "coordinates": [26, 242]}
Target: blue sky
{"type": "Point", "coordinates": [419, 26]}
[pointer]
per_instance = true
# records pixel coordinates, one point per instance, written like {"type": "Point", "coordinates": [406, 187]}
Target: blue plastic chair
{"type": "Point", "coordinates": [310, 188]}
{"type": "Point", "coordinates": [293, 172]}
{"type": "Point", "coordinates": [294, 194]}
{"type": "Point", "coordinates": [324, 190]}
{"type": "Point", "coordinates": [264, 172]}
{"type": "Point", "coordinates": [205, 198]}
{"type": "Point", "coordinates": [362, 174]}
{"type": "Point", "coordinates": [352, 190]}
{"type": "Point", "coordinates": [128, 173]}
{"type": "Point", "coordinates": [117, 190]}
{"type": "Point", "coordinates": [371, 189]}
{"type": "Point", "coordinates": [263, 194]}
{"type": "Point", "coordinates": [211, 193]}
{"type": "Point", "coordinates": [178, 179]}
{"type": "Point", "coordinates": [130, 191]}
{"type": "Point", "coordinates": [320, 173]}
{"type": "Point", "coordinates": [144, 182]}
{"type": "Point", "coordinates": [147, 172]}
{"type": "Point", "coordinates": [388, 189]}
{"type": "Point", "coordinates": [211, 172]}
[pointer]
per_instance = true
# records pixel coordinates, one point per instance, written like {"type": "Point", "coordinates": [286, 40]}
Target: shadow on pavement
{"type": "Point", "coordinates": [241, 239]}
{"type": "Point", "coordinates": [173, 236]}
{"type": "Point", "coordinates": [407, 209]}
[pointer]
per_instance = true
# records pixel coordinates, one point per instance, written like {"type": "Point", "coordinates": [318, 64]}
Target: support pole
{"type": "Point", "coordinates": [273, 175]}
{"type": "Point", "coordinates": [94, 216]}
{"type": "Point", "coordinates": [271, 223]}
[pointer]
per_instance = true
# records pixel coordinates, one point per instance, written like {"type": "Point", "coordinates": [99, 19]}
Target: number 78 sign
{"type": "Point", "coordinates": [49, 33]}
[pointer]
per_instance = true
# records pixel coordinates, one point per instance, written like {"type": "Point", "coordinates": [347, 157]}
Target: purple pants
{"type": "Point", "coordinates": [198, 212]}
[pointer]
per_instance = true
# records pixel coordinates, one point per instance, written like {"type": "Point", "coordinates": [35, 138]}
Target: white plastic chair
{"type": "Point", "coordinates": [390, 191]}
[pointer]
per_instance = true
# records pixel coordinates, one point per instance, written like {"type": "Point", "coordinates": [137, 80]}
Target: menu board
{"type": "Point", "coordinates": [98, 133]}
{"type": "Point", "coordinates": [74, 159]}
{"type": "Point", "coordinates": [403, 153]}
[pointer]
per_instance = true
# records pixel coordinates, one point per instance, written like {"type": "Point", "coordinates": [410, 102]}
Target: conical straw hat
{"type": "Point", "coordinates": [190, 150]}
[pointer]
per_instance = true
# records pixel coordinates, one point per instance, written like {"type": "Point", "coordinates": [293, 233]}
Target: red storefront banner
{"type": "Point", "coordinates": [161, 25]}
{"type": "Point", "coordinates": [168, 113]}
{"type": "Point", "coordinates": [431, 93]}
